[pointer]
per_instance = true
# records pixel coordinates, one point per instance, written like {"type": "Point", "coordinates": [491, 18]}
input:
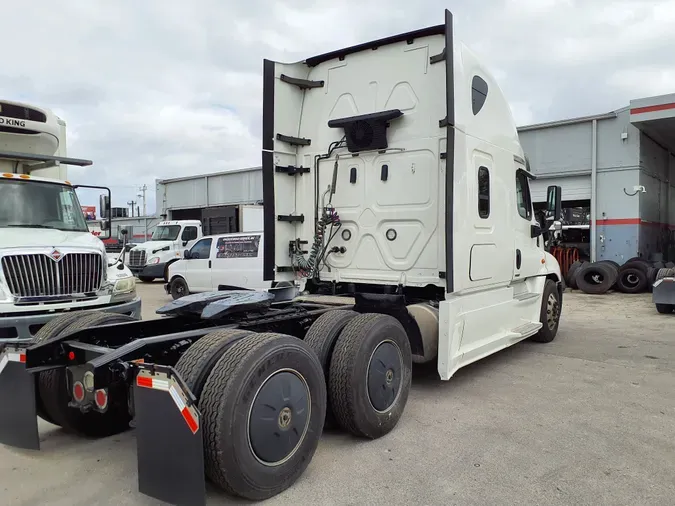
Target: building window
{"type": "Point", "coordinates": [479, 91]}
{"type": "Point", "coordinates": [483, 192]}
{"type": "Point", "coordinates": [523, 199]}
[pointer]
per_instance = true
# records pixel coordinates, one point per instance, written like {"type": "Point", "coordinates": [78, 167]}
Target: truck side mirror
{"type": "Point", "coordinates": [106, 214]}
{"type": "Point", "coordinates": [186, 254]}
{"type": "Point", "coordinates": [554, 202]}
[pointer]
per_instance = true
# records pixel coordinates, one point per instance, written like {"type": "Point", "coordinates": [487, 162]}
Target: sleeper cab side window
{"type": "Point", "coordinates": [483, 192]}
{"type": "Point", "coordinates": [523, 200]}
{"type": "Point", "coordinates": [479, 92]}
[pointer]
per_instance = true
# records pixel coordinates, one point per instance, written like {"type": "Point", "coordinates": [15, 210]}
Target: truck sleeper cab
{"type": "Point", "coordinates": [151, 259]}
{"type": "Point", "coordinates": [411, 235]}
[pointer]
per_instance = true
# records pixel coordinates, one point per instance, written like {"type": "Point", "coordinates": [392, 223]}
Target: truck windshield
{"type": "Point", "coordinates": [35, 204]}
{"type": "Point", "coordinates": [166, 233]}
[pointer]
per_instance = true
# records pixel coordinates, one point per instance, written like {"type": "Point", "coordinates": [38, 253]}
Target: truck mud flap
{"type": "Point", "coordinates": [18, 416]}
{"type": "Point", "coordinates": [168, 437]}
{"type": "Point", "coordinates": [663, 291]}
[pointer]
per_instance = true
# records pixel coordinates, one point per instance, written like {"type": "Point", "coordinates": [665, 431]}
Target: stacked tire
{"type": "Point", "coordinates": [665, 273]}
{"type": "Point", "coordinates": [637, 275]}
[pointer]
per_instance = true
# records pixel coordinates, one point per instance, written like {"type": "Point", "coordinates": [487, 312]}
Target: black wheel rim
{"type": "Point", "coordinates": [180, 289]}
{"type": "Point", "coordinates": [385, 373]}
{"type": "Point", "coordinates": [631, 280]}
{"type": "Point", "coordinates": [279, 417]}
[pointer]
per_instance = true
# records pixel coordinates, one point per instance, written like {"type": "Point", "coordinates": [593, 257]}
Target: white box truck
{"type": "Point", "coordinates": [50, 262]}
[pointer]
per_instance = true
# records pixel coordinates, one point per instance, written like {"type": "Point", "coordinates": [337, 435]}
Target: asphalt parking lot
{"type": "Point", "coordinates": [586, 419]}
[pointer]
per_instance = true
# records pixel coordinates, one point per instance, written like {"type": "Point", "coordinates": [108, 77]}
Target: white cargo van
{"type": "Point", "coordinates": [234, 261]}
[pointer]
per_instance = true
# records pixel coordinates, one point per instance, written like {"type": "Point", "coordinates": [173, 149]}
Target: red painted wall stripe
{"type": "Point", "coordinates": [631, 221]}
{"type": "Point", "coordinates": [652, 108]}
{"type": "Point", "coordinates": [619, 221]}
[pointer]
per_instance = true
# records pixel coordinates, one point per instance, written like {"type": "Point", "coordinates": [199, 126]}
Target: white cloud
{"type": "Point", "coordinates": [159, 89]}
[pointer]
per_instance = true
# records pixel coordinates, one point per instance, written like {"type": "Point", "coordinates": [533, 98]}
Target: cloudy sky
{"type": "Point", "coordinates": [156, 89]}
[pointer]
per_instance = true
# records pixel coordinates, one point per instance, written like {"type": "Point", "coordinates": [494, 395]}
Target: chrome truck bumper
{"type": "Point", "coordinates": [20, 329]}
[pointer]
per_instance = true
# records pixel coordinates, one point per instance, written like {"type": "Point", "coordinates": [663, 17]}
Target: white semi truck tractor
{"type": "Point", "coordinates": [50, 263]}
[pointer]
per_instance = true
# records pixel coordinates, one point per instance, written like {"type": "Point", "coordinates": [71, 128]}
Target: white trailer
{"type": "Point", "coordinates": [50, 263]}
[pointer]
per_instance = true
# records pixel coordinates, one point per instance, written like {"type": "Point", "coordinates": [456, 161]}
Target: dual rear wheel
{"type": "Point", "coordinates": [264, 397]}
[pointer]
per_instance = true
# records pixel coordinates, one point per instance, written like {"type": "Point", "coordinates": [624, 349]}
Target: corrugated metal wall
{"type": "Point", "coordinates": [224, 188]}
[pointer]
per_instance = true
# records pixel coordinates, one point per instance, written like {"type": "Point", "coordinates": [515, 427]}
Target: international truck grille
{"type": "Point", "coordinates": [136, 258]}
{"type": "Point", "coordinates": [40, 275]}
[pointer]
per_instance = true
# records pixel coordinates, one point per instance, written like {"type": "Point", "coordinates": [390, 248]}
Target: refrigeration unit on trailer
{"type": "Point", "coordinates": [397, 197]}
{"type": "Point", "coordinates": [50, 262]}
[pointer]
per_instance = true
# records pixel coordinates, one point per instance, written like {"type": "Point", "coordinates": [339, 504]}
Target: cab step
{"type": "Point", "coordinates": [526, 330]}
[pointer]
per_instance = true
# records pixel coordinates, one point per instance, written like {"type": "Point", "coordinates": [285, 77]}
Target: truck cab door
{"type": "Point", "coordinates": [188, 236]}
{"type": "Point", "coordinates": [198, 269]}
{"type": "Point", "coordinates": [528, 249]}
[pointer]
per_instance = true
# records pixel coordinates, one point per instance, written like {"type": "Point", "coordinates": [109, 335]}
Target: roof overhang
{"type": "Point", "coordinates": [655, 116]}
{"type": "Point", "coordinates": [46, 159]}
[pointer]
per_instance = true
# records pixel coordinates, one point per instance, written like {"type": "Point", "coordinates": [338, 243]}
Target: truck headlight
{"type": "Point", "coordinates": [153, 260]}
{"type": "Point", "coordinates": [125, 285]}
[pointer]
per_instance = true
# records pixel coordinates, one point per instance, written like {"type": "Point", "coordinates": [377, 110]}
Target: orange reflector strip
{"type": "Point", "coordinates": [143, 381]}
{"type": "Point", "coordinates": [7, 175]}
{"type": "Point", "coordinates": [24, 176]}
{"type": "Point", "coordinates": [192, 423]}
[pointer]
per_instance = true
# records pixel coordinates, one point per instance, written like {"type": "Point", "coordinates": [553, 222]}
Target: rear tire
{"type": "Point", "coordinates": [179, 288]}
{"type": "Point", "coordinates": [321, 338]}
{"type": "Point", "coordinates": [370, 375]}
{"type": "Point", "coordinates": [51, 330]}
{"type": "Point", "coordinates": [262, 387]}
{"type": "Point", "coordinates": [195, 365]}
{"type": "Point", "coordinates": [55, 395]}
{"type": "Point", "coordinates": [549, 316]}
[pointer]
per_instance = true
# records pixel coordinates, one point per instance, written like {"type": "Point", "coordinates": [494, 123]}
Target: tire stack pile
{"type": "Point", "coordinates": [637, 275]}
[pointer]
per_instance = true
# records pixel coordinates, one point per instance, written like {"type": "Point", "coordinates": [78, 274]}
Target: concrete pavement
{"type": "Point", "coordinates": [586, 419]}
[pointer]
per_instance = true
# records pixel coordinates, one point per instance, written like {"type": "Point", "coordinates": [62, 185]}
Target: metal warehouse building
{"type": "Point", "coordinates": [212, 198]}
{"type": "Point", "coordinates": [618, 168]}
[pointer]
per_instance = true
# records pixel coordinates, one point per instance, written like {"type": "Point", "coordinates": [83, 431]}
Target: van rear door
{"type": "Point", "coordinates": [237, 261]}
